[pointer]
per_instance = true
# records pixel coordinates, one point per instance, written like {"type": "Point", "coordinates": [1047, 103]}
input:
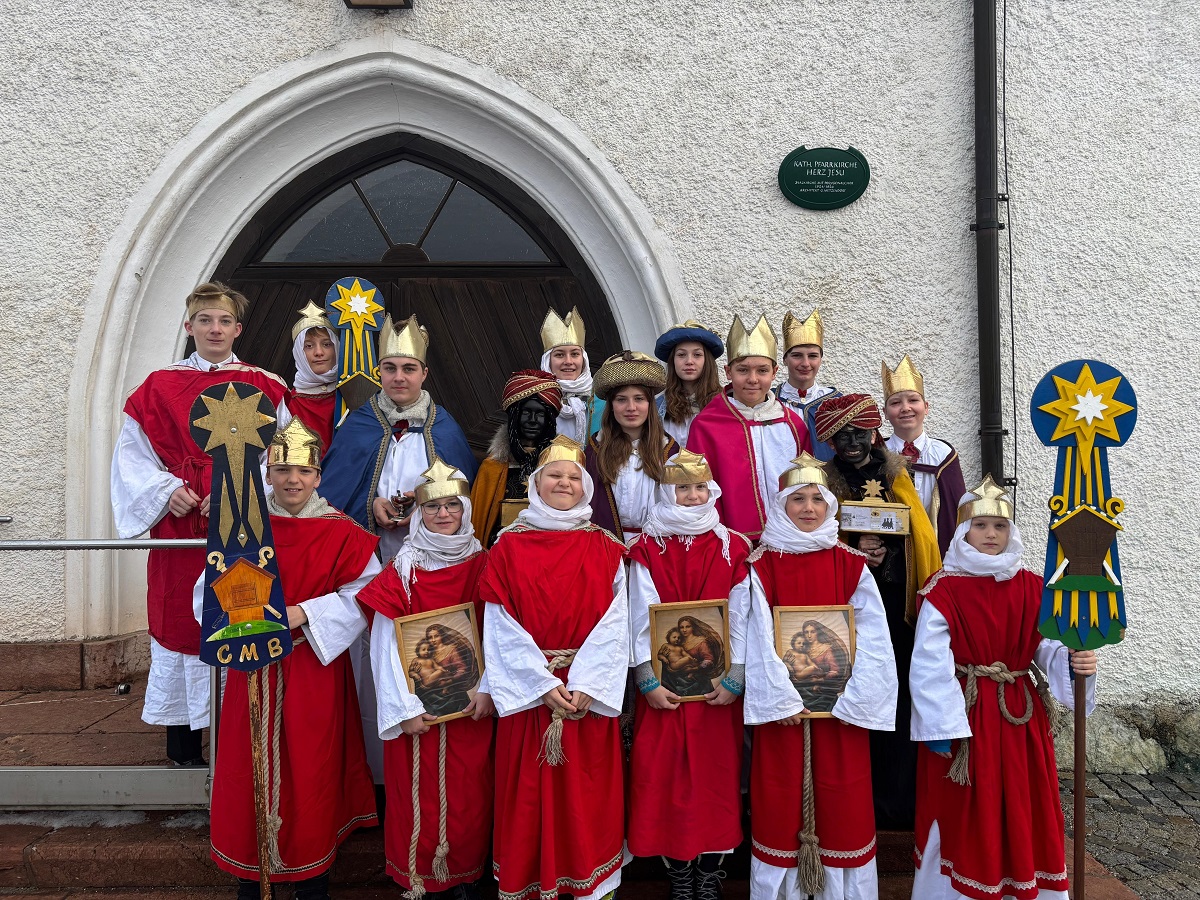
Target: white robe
{"type": "Point", "coordinates": [869, 701]}
{"type": "Point", "coordinates": [406, 459]}
{"type": "Point", "coordinates": [933, 453]}
{"type": "Point", "coordinates": [938, 713]}
{"type": "Point", "coordinates": [634, 494]}
{"type": "Point", "coordinates": [774, 447]}
{"type": "Point", "coordinates": [177, 689]}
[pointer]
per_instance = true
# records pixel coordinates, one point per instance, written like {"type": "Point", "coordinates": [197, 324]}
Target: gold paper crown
{"type": "Point", "coordinates": [904, 377]}
{"type": "Point", "coordinates": [759, 342]}
{"type": "Point", "coordinates": [311, 316]}
{"type": "Point", "coordinates": [988, 499]}
{"type": "Point", "coordinates": [805, 469]}
{"type": "Point", "coordinates": [441, 480]}
{"type": "Point", "coordinates": [558, 332]}
{"type": "Point", "coordinates": [294, 445]}
{"type": "Point", "coordinates": [559, 449]}
{"type": "Point", "coordinates": [810, 331]}
{"type": "Point", "coordinates": [687, 467]}
{"type": "Point", "coordinates": [410, 339]}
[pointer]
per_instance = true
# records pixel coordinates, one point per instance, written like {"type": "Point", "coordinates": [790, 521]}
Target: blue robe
{"type": "Point", "coordinates": [350, 470]}
{"type": "Point", "coordinates": [808, 412]}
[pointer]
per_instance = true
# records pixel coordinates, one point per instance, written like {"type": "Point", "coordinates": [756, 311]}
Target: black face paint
{"type": "Point", "coordinates": [853, 445]}
{"type": "Point", "coordinates": [533, 417]}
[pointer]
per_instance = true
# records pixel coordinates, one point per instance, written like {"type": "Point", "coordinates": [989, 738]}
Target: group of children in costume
{"type": "Point", "coordinates": [603, 496]}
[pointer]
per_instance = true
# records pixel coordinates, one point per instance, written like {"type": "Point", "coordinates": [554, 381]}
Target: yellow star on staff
{"type": "Point", "coordinates": [1086, 409]}
{"type": "Point", "coordinates": [357, 306]}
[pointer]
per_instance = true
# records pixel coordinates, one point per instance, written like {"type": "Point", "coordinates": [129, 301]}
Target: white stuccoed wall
{"type": "Point", "coordinates": [695, 106]}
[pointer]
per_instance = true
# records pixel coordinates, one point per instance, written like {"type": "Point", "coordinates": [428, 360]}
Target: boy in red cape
{"type": "Point", "coordinates": [989, 821]}
{"type": "Point", "coordinates": [686, 763]}
{"type": "Point", "coordinates": [438, 827]}
{"type": "Point", "coordinates": [160, 481]}
{"type": "Point", "coordinates": [556, 640]}
{"type": "Point", "coordinates": [325, 788]}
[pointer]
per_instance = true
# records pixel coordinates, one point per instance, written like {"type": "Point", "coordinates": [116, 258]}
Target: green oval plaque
{"type": "Point", "coordinates": [824, 177]}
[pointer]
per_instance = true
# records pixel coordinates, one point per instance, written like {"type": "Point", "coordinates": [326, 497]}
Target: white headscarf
{"type": "Point", "coordinates": [667, 518]}
{"type": "Point", "coordinates": [307, 381]}
{"type": "Point", "coordinates": [962, 558]}
{"type": "Point", "coordinates": [781, 532]}
{"type": "Point", "coordinates": [425, 549]}
{"type": "Point", "coordinates": [540, 514]}
{"type": "Point", "coordinates": [576, 393]}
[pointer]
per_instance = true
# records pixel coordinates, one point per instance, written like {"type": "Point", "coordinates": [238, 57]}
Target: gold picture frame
{"type": "Point", "coordinates": [445, 674]}
{"type": "Point", "coordinates": [685, 639]}
{"type": "Point", "coordinates": [830, 649]}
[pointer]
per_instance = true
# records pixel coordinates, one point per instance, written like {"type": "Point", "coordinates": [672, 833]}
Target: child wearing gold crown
{"type": "Point", "coordinates": [686, 762]}
{"type": "Point", "coordinates": [936, 473]}
{"type": "Point", "coordinates": [325, 789]}
{"type": "Point", "coordinates": [313, 395]}
{"type": "Point", "coordinates": [445, 769]}
{"type": "Point", "coordinates": [803, 356]}
{"type": "Point", "coordinates": [556, 640]}
{"type": "Point", "coordinates": [989, 820]}
{"type": "Point", "coordinates": [160, 481]}
{"type": "Point", "coordinates": [564, 356]}
{"type": "Point", "coordinates": [818, 841]}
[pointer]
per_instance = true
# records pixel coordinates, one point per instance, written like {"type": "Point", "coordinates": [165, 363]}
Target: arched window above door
{"type": "Point", "coordinates": [405, 213]}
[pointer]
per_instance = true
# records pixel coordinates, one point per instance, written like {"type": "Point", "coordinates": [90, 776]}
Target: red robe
{"type": "Point", "coordinates": [326, 787]}
{"type": "Point", "coordinates": [721, 435]}
{"type": "Point", "coordinates": [470, 781]}
{"type": "Point", "coordinates": [558, 828]}
{"type": "Point", "coordinates": [1006, 828]}
{"type": "Point", "coordinates": [162, 406]}
{"type": "Point", "coordinates": [841, 753]}
{"type": "Point", "coordinates": [686, 765]}
{"type": "Point", "coordinates": [316, 411]}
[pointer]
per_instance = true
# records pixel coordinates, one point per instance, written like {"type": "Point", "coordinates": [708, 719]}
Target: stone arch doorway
{"type": "Point", "coordinates": [442, 236]}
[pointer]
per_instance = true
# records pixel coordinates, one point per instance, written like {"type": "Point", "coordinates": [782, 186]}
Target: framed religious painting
{"type": "Point", "coordinates": [816, 644]}
{"type": "Point", "coordinates": [690, 646]}
{"type": "Point", "coordinates": [442, 658]}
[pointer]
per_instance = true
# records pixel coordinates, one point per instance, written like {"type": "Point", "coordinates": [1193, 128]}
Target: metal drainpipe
{"type": "Point", "coordinates": [987, 241]}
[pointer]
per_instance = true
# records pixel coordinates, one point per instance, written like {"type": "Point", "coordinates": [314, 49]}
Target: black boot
{"type": "Point", "coordinates": [708, 876]}
{"type": "Point", "coordinates": [316, 888]}
{"type": "Point", "coordinates": [467, 891]}
{"type": "Point", "coordinates": [184, 746]}
{"type": "Point", "coordinates": [248, 889]}
{"type": "Point", "coordinates": [680, 874]}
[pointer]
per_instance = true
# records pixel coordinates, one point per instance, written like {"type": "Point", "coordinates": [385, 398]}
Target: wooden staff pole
{"type": "Point", "coordinates": [260, 787]}
{"type": "Point", "coordinates": [1080, 783]}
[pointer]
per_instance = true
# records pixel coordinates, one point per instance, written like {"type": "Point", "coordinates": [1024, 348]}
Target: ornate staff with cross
{"type": "Point", "coordinates": [1083, 407]}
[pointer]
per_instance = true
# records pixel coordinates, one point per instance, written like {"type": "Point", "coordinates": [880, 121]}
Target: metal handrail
{"type": "Point", "coordinates": [131, 544]}
{"type": "Point", "coordinates": [68, 782]}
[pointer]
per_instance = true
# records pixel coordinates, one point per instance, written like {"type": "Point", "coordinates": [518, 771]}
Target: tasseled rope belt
{"type": "Point", "coordinates": [810, 871]}
{"type": "Point", "coordinates": [441, 870]}
{"type": "Point", "coordinates": [998, 672]}
{"type": "Point", "coordinates": [552, 749]}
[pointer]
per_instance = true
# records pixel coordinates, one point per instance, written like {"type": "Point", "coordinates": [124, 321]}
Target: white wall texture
{"type": "Point", "coordinates": [695, 106]}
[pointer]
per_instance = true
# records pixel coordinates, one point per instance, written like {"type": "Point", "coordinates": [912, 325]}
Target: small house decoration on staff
{"type": "Point", "coordinates": [244, 592]}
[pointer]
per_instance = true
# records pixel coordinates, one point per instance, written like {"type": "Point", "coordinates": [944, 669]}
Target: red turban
{"type": "Point", "coordinates": [836, 413]}
{"type": "Point", "coordinates": [531, 382]}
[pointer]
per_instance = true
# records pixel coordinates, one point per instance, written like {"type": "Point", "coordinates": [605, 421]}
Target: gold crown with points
{"type": "Point", "coordinates": [686, 467]}
{"type": "Point", "coordinates": [294, 445]}
{"type": "Point", "coordinates": [311, 316]}
{"type": "Point", "coordinates": [441, 481]}
{"type": "Point", "coordinates": [904, 377]}
{"type": "Point", "coordinates": [558, 332]}
{"type": "Point", "coordinates": [810, 331]}
{"type": "Point", "coordinates": [410, 339]}
{"type": "Point", "coordinates": [805, 469]}
{"type": "Point", "coordinates": [561, 448]}
{"type": "Point", "coordinates": [758, 342]}
{"type": "Point", "coordinates": [987, 499]}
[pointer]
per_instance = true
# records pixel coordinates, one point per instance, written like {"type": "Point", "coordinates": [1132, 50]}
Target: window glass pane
{"type": "Point", "coordinates": [471, 228]}
{"type": "Point", "coordinates": [405, 196]}
{"type": "Point", "coordinates": [336, 229]}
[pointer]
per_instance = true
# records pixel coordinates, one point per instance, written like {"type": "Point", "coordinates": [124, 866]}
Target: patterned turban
{"type": "Point", "coordinates": [836, 413]}
{"type": "Point", "coordinates": [532, 382]}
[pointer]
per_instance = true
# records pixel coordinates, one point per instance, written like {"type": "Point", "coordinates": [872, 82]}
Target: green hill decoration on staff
{"type": "Point", "coordinates": [353, 307]}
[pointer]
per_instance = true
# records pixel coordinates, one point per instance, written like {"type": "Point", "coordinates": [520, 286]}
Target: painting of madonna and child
{"type": "Point", "coordinates": [816, 643]}
{"type": "Point", "coordinates": [691, 646]}
{"type": "Point", "coordinates": [441, 657]}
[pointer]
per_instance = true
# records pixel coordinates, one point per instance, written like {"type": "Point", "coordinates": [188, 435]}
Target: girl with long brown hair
{"type": "Point", "coordinates": [690, 351]}
{"type": "Point", "coordinates": [627, 456]}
